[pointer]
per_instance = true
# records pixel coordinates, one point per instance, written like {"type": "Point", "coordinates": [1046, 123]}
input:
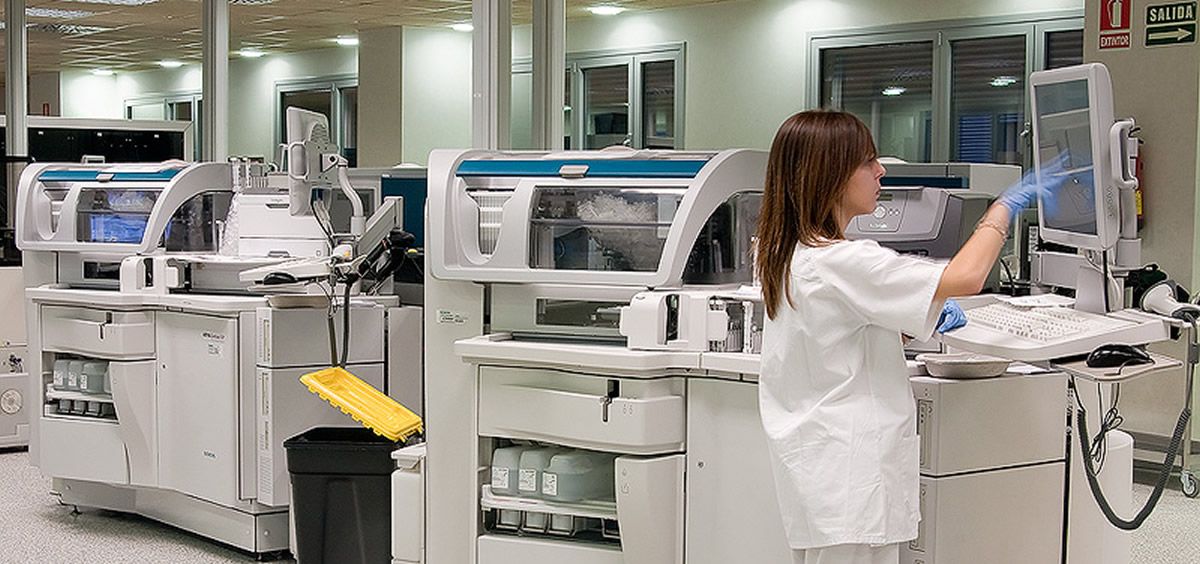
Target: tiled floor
{"type": "Point", "coordinates": [34, 527]}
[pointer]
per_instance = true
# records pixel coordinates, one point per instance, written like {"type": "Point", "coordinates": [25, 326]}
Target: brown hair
{"type": "Point", "coordinates": [812, 158]}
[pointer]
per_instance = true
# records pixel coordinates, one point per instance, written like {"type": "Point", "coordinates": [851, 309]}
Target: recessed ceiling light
{"type": "Point", "coordinates": [463, 27]}
{"type": "Point", "coordinates": [1002, 81]}
{"type": "Point", "coordinates": [170, 64]}
{"type": "Point", "coordinates": [250, 53]}
{"type": "Point", "coordinates": [606, 10]}
{"type": "Point", "coordinates": [103, 72]}
{"type": "Point", "coordinates": [346, 40]}
{"type": "Point", "coordinates": [57, 14]}
{"type": "Point", "coordinates": [894, 90]}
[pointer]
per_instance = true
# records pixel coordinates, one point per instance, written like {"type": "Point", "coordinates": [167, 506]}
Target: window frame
{"type": "Point", "coordinates": [335, 83]}
{"type": "Point", "coordinates": [165, 99]}
{"type": "Point", "coordinates": [633, 58]}
{"type": "Point", "coordinates": [942, 34]}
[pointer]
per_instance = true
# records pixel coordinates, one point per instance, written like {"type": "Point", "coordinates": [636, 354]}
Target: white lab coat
{"type": "Point", "coordinates": [834, 394]}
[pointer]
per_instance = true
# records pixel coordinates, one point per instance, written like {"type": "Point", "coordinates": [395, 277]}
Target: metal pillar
{"type": "Point", "coordinates": [549, 70]}
{"type": "Point", "coordinates": [491, 73]}
{"type": "Point", "coordinates": [16, 104]}
{"type": "Point", "coordinates": [215, 93]}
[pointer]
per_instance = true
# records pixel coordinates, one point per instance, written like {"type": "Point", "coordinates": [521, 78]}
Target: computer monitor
{"type": "Point", "coordinates": [1072, 119]}
{"type": "Point", "coordinates": [307, 139]}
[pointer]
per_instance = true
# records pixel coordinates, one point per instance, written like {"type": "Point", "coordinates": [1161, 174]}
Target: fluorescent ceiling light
{"type": "Point", "coordinates": [894, 90]}
{"type": "Point", "coordinates": [1002, 81]}
{"type": "Point", "coordinates": [250, 53]}
{"type": "Point", "coordinates": [170, 64]}
{"type": "Point", "coordinates": [103, 72]}
{"type": "Point", "coordinates": [606, 10]}
{"type": "Point", "coordinates": [57, 14]}
{"type": "Point", "coordinates": [463, 27]}
{"type": "Point", "coordinates": [346, 40]}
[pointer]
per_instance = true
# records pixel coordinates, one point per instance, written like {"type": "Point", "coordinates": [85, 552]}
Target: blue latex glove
{"type": "Point", "coordinates": [1026, 191]}
{"type": "Point", "coordinates": [952, 317]}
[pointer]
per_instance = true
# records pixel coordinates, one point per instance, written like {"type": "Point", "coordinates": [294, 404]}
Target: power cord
{"type": "Point", "coordinates": [1164, 474]}
{"type": "Point", "coordinates": [1111, 421]}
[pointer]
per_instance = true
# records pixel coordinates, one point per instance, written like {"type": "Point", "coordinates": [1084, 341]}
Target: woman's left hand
{"type": "Point", "coordinates": [952, 317]}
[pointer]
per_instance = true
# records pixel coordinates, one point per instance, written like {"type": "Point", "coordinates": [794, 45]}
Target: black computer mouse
{"type": "Point", "coordinates": [1108, 356]}
{"type": "Point", "coordinates": [277, 278]}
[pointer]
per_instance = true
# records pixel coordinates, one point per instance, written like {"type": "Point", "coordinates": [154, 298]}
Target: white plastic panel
{"type": "Point", "coordinates": [286, 408]}
{"type": "Point", "coordinates": [12, 302]}
{"type": "Point", "coordinates": [650, 498]}
{"type": "Point", "coordinates": [732, 509]}
{"type": "Point", "coordinates": [954, 414]}
{"type": "Point", "coordinates": [299, 337]}
{"type": "Point", "coordinates": [501, 349]}
{"type": "Point", "coordinates": [98, 333]}
{"type": "Point", "coordinates": [408, 505]}
{"type": "Point", "coordinates": [642, 417]}
{"type": "Point", "coordinates": [197, 402]}
{"type": "Point", "coordinates": [84, 450]}
{"type": "Point", "coordinates": [496, 549]}
{"type": "Point", "coordinates": [134, 396]}
{"type": "Point", "coordinates": [996, 517]}
{"type": "Point", "coordinates": [406, 357]}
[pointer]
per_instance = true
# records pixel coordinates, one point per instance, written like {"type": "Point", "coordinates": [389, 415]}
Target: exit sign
{"type": "Point", "coordinates": [1170, 24]}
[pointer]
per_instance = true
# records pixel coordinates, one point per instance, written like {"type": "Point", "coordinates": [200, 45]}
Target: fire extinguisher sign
{"type": "Point", "coordinates": [1115, 24]}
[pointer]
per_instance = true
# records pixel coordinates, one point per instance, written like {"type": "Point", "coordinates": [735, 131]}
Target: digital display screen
{"type": "Point", "coordinates": [1065, 135]}
{"type": "Point", "coordinates": [117, 228]}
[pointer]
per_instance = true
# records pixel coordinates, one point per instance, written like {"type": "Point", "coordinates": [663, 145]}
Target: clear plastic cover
{"type": "Point", "coordinates": [723, 252]}
{"type": "Point", "coordinates": [114, 215]}
{"type": "Point", "coordinates": [196, 225]}
{"type": "Point", "coordinates": [601, 228]}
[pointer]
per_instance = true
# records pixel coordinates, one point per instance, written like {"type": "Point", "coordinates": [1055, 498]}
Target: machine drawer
{"type": "Point", "coordinates": [497, 549]}
{"type": "Point", "coordinates": [98, 333]}
{"type": "Point", "coordinates": [83, 450]}
{"type": "Point", "coordinates": [621, 415]}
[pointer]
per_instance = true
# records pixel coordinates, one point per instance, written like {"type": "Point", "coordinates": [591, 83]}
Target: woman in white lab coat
{"type": "Point", "coordinates": [834, 393]}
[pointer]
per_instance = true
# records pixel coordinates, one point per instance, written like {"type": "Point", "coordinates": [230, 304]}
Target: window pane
{"type": "Point", "coordinates": [152, 110]}
{"type": "Point", "coordinates": [987, 99]}
{"type": "Point", "coordinates": [658, 105]}
{"type": "Point", "coordinates": [520, 131]}
{"type": "Point", "coordinates": [181, 111]}
{"type": "Point", "coordinates": [606, 106]}
{"type": "Point", "coordinates": [349, 124]}
{"type": "Point", "coordinates": [890, 87]}
{"type": "Point", "coordinates": [1064, 48]}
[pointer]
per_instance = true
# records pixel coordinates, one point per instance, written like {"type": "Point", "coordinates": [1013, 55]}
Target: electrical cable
{"type": "Point", "coordinates": [329, 325]}
{"type": "Point", "coordinates": [346, 325]}
{"type": "Point", "coordinates": [1164, 473]}
{"type": "Point", "coordinates": [328, 231]}
{"type": "Point", "coordinates": [1012, 282]}
{"type": "Point", "coordinates": [1104, 279]}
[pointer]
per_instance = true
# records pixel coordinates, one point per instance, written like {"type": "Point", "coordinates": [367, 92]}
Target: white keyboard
{"type": "Point", "coordinates": [1043, 324]}
{"type": "Point", "coordinates": [1035, 334]}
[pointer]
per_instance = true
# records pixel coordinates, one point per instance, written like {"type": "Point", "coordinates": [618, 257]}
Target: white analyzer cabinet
{"type": "Point", "coordinates": [14, 376]}
{"type": "Point", "coordinates": [284, 405]}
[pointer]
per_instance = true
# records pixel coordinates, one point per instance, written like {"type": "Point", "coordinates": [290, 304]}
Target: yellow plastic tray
{"type": "Point", "coordinates": [363, 402]}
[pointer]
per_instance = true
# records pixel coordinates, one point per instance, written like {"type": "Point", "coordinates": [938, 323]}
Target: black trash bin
{"type": "Point", "coordinates": [341, 495]}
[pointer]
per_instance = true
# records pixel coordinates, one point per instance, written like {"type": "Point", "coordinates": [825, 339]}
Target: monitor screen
{"type": "Point", "coordinates": [117, 228]}
{"type": "Point", "coordinates": [1064, 121]}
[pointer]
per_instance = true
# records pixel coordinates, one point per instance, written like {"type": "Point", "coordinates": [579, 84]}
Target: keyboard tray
{"type": "Point", "coordinates": [1143, 329]}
